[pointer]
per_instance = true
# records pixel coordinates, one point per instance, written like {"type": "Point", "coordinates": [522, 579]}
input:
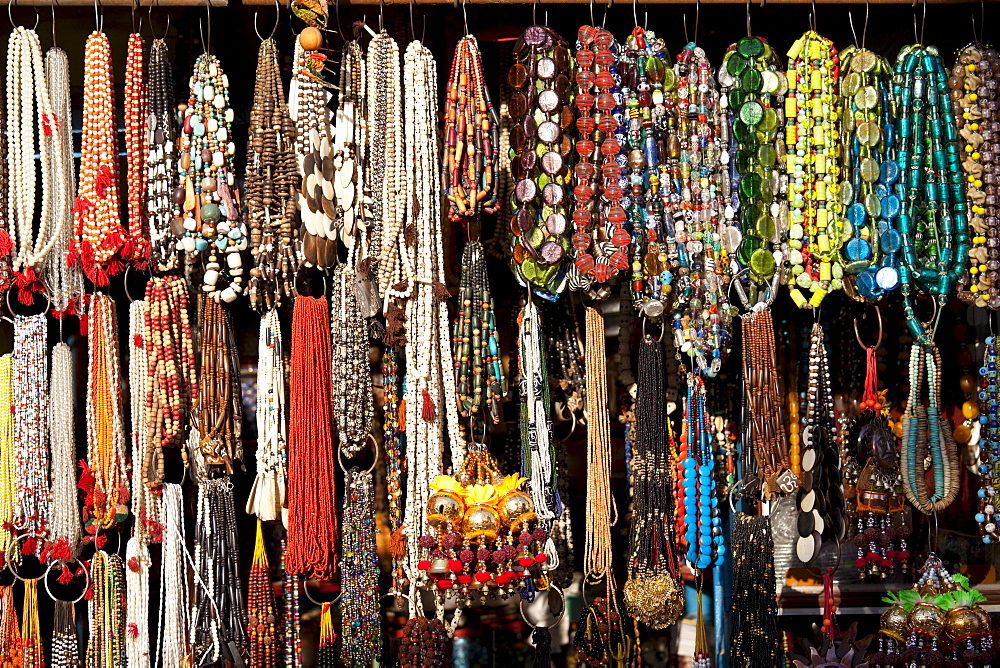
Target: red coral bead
{"type": "Point", "coordinates": [423, 565]}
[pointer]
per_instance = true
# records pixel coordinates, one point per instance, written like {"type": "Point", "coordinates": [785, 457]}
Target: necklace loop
{"type": "Point", "coordinates": [857, 335]}
{"type": "Point", "coordinates": [65, 564]}
{"type": "Point", "coordinates": [559, 617]}
{"type": "Point", "coordinates": [7, 555]}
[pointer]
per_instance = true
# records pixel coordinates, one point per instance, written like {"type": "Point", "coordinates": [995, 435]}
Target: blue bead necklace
{"type": "Point", "coordinates": [989, 444]}
{"type": "Point", "coordinates": [702, 523]}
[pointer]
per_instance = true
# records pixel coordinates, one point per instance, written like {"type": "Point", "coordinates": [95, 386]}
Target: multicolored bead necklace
{"type": "Point", "coordinates": [816, 218]}
{"type": "Point", "coordinates": [160, 160]}
{"type": "Point", "coordinates": [136, 247]}
{"type": "Point", "coordinates": [359, 572]}
{"type": "Point", "coordinates": [989, 444]}
{"type": "Point", "coordinates": [701, 520]}
{"type": "Point", "coordinates": [262, 620]}
{"type": "Point", "coordinates": [868, 131]}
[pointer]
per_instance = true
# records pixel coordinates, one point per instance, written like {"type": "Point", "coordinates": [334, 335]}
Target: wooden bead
{"type": "Point", "coordinates": [311, 39]}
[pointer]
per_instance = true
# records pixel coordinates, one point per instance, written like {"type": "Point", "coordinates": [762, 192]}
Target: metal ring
{"type": "Point", "coordinates": [732, 493]}
{"type": "Point", "coordinates": [340, 455]}
{"type": "Point", "coordinates": [48, 302]}
{"type": "Point", "coordinates": [588, 581]}
{"type": "Point", "coordinates": [86, 575]}
{"type": "Point", "coordinates": [14, 543]}
{"type": "Point", "coordinates": [117, 547]}
{"type": "Point", "coordinates": [128, 293]}
{"type": "Point", "coordinates": [857, 335]}
{"type": "Point", "coordinates": [644, 335]}
{"type": "Point", "coordinates": [562, 610]}
{"type": "Point", "coordinates": [295, 284]}
{"type": "Point", "coordinates": [305, 590]}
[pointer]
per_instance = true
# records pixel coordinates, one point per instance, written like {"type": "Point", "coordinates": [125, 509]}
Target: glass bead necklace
{"type": "Point", "coordinates": [31, 440]}
{"type": "Point", "coordinates": [136, 247]}
{"type": "Point", "coordinates": [106, 646]}
{"type": "Point", "coordinates": [262, 621]}
{"type": "Point", "coordinates": [173, 623]}
{"type": "Point", "coordinates": [989, 445]}
{"type": "Point", "coordinates": [360, 619]}
{"type": "Point", "coordinates": [161, 158]}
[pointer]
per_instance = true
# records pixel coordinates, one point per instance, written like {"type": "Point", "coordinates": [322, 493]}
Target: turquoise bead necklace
{"type": "Point", "coordinates": [989, 444]}
{"type": "Point", "coordinates": [700, 511]}
{"type": "Point", "coordinates": [931, 186]}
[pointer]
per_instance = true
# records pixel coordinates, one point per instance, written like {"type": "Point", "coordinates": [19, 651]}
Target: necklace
{"type": "Point", "coordinates": [161, 156]}
{"type": "Point", "coordinates": [694, 190]}
{"type": "Point", "coordinates": [867, 123]}
{"type": "Point", "coordinates": [351, 153]}
{"type": "Point", "coordinates": [697, 462]}
{"type": "Point", "coordinates": [64, 513]}
{"type": "Point", "coordinates": [262, 622]}
{"type": "Point", "coordinates": [65, 652]}
{"type": "Point", "coordinates": [307, 108]}
{"type": "Point", "coordinates": [756, 635]}
{"type": "Point", "coordinates": [989, 451]}
{"type": "Point", "coordinates": [480, 382]}
{"type": "Point", "coordinates": [31, 635]}
{"type": "Point", "coordinates": [138, 561]}
{"type": "Point", "coordinates": [107, 611]}
{"type": "Point", "coordinates": [6, 243]}
{"type": "Point", "coordinates": [540, 79]}
{"type": "Point", "coordinates": [31, 126]}
{"type": "Point", "coordinates": [599, 500]}
{"type": "Point", "coordinates": [270, 187]}
{"type": "Point", "coordinates": [10, 637]}
{"type": "Point", "coordinates": [359, 572]}
{"type": "Point", "coordinates": [31, 405]}
{"type": "Point", "coordinates": [210, 208]}
{"type": "Point", "coordinates": [754, 87]}
{"type": "Point", "coordinates": [290, 598]}
{"type": "Point", "coordinates": [471, 137]}
{"type": "Point", "coordinates": [816, 229]}
{"type": "Point", "coordinates": [99, 232]}
{"type": "Point", "coordinates": [267, 498]}
{"type": "Point", "coordinates": [105, 478]}
{"type": "Point", "coordinates": [932, 222]}
{"type": "Point", "coordinates": [137, 247]}
{"type": "Point", "coordinates": [219, 407]}
{"type": "Point", "coordinates": [424, 642]}
{"type": "Point", "coordinates": [172, 642]}
{"type": "Point", "coordinates": [973, 86]}
{"type": "Point", "coordinates": [8, 461]}
{"type": "Point", "coordinates": [392, 443]}
{"type": "Point", "coordinates": [312, 518]}
{"type": "Point", "coordinates": [353, 401]}
{"type": "Point", "coordinates": [143, 502]}
{"type": "Point", "coordinates": [64, 282]}
{"type": "Point", "coordinates": [600, 238]}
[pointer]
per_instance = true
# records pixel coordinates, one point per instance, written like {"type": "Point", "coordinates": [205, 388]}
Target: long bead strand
{"type": "Point", "coordinates": [31, 406]}
{"type": "Point", "coordinates": [359, 572]}
{"type": "Point", "coordinates": [267, 497]}
{"type": "Point", "coordinates": [137, 247]}
{"type": "Point", "coordinates": [64, 512]}
{"type": "Point", "coordinates": [161, 156]}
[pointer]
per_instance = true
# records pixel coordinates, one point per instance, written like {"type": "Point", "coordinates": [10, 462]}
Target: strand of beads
{"type": "Point", "coordinates": [31, 123]}
{"type": "Point", "coordinates": [292, 619]}
{"type": "Point", "coordinates": [989, 443]}
{"type": "Point", "coordinates": [143, 502]}
{"type": "Point", "coordinates": [8, 462]}
{"type": "Point", "coordinates": [973, 84]}
{"type": "Point", "coordinates": [10, 637]}
{"type": "Point", "coordinates": [64, 513]}
{"type": "Point", "coordinates": [137, 247]}
{"type": "Point", "coordinates": [471, 137]}
{"type": "Point", "coordinates": [99, 232]}
{"type": "Point", "coordinates": [600, 239]}
{"type": "Point", "coordinates": [539, 159]}
{"type": "Point", "coordinates": [6, 245]}
{"type": "Point", "coordinates": [106, 477]}
{"type": "Point", "coordinates": [65, 645]}
{"type": "Point", "coordinates": [754, 90]}
{"type": "Point", "coordinates": [868, 131]}
{"type": "Point", "coordinates": [816, 216]}
{"type": "Point", "coordinates": [31, 405]}
{"type": "Point", "coordinates": [353, 401]}
{"type": "Point", "coordinates": [351, 154]}
{"type": "Point", "coordinates": [702, 522]}
{"type": "Point", "coordinates": [475, 348]}
{"type": "Point", "coordinates": [161, 158]}
{"type": "Point", "coordinates": [694, 197]}
{"type": "Point", "coordinates": [107, 612]}
{"type": "Point", "coordinates": [207, 198]}
{"type": "Point", "coordinates": [392, 443]}
{"type": "Point", "coordinates": [64, 282]}
{"type": "Point", "coordinates": [137, 647]}
{"type": "Point", "coordinates": [359, 572]}
{"type": "Point", "coordinates": [172, 642]}
{"type": "Point", "coordinates": [31, 635]}
{"type": "Point", "coordinates": [308, 103]}
{"type": "Point", "coordinates": [262, 622]}
{"type": "Point", "coordinates": [933, 221]}
{"type": "Point", "coordinates": [219, 407]}
{"type": "Point", "coordinates": [270, 187]}
{"type": "Point", "coordinates": [643, 60]}
{"type": "Point", "coordinates": [267, 497]}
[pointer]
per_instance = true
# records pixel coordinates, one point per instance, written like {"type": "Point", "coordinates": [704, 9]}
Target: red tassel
{"type": "Point", "coordinates": [100, 541]}
{"type": "Point", "coordinates": [86, 482]}
{"type": "Point", "coordinates": [428, 412]}
{"type": "Point", "coordinates": [137, 340]}
{"type": "Point", "coordinates": [115, 266]}
{"type": "Point", "coordinates": [84, 329]}
{"type": "Point", "coordinates": [29, 546]}
{"type": "Point", "coordinates": [65, 577]}
{"type": "Point", "coordinates": [113, 241]}
{"type": "Point", "coordinates": [133, 565]}
{"type": "Point", "coordinates": [80, 206]}
{"type": "Point", "coordinates": [133, 630]}
{"type": "Point", "coordinates": [6, 245]}
{"type": "Point", "coordinates": [103, 181]}
{"type": "Point", "coordinates": [101, 278]}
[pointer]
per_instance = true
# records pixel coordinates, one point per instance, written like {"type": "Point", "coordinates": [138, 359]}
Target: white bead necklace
{"type": "Point", "coordinates": [8, 461]}
{"type": "Point", "coordinates": [31, 126]}
{"type": "Point", "coordinates": [174, 621]}
{"type": "Point", "coordinates": [350, 153]}
{"type": "Point", "coordinates": [65, 283]}
{"type": "Point", "coordinates": [137, 611]}
{"type": "Point", "coordinates": [160, 161]}
{"type": "Point", "coordinates": [143, 503]}
{"type": "Point", "coordinates": [31, 404]}
{"type": "Point", "coordinates": [267, 497]}
{"type": "Point", "coordinates": [64, 513]}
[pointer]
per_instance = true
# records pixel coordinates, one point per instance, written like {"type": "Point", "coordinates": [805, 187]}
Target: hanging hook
{"type": "Point", "coordinates": [534, 6]}
{"type": "Point", "coordinates": [465, 18]}
{"type": "Point", "coordinates": [919, 39]}
{"type": "Point", "coordinates": [697, 18]}
{"type": "Point", "coordinates": [135, 5]}
{"type": "Point", "coordinates": [850, 19]}
{"type": "Point", "coordinates": [381, 14]}
{"type": "Point", "coordinates": [151, 21]}
{"type": "Point", "coordinates": [635, 11]}
{"type": "Point", "coordinates": [591, 12]}
{"type": "Point", "coordinates": [749, 33]}
{"type": "Point", "coordinates": [53, 8]}
{"type": "Point", "coordinates": [604, 21]}
{"type": "Point", "coordinates": [206, 44]}
{"type": "Point", "coordinates": [982, 19]}
{"type": "Point", "coordinates": [864, 31]}
{"type": "Point", "coordinates": [12, 18]}
{"type": "Point", "coordinates": [812, 21]}
{"type": "Point", "coordinates": [277, 20]}
{"type": "Point", "coordinates": [98, 17]}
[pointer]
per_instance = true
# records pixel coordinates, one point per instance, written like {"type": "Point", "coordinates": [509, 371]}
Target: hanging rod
{"type": "Point", "coordinates": [128, 3]}
{"type": "Point", "coordinates": [628, 3]}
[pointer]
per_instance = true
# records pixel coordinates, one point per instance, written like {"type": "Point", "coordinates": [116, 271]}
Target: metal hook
{"type": "Point", "coordinates": [697, 18]}
{"type": "Point", "coordinates": [592, 12]}
{"type": "Point", "coordinates": [413, 32]}
{"type": "Point", "coordinates": [381, 14]}
{"type": "Point", "coordinates": [98, 17]}
{"type": "Point", "coordinates": [9, 2]}
{"type": "Point", "coordinates": [812, 17]}
{"type": "Point", "coordinates": [277, 20]}
{"type": "Point", "coordinates": [135, 5]}
{"type": "Point", "coordinates": [850, 19]}
{"type": "Point", "coordinates": [749, 33]}
{"type": "Point", "coordinates": [465, 18]}
{"type": "Point", "coordinates": [604, 21]}
{"type": "Point", "coordinates": [151, 22]}
{"type": "Point", "coordinates": [919, 39]}
{"type": "Point", "coordinates": [635, 12]}
{"type": "Point", "coordinates": [53, 7]}
{"type": "Point", "coordinates": [857, 335]}
{"type": "Point", "coordinates": [534, 6]}
{"type": "Point", "coordinates": [206, 44]}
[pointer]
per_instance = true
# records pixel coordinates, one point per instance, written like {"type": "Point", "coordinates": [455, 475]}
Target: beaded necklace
{"type": "Point", "coordinates": [351, 152]}
{"type": "Point", "coordinates": [219, 408]}
{"type": "Point", "coordinates": [868, 128]}
{"type": "Point", "coordinates": [8, 461]}
{"type": "Point", "coordinates": [307, 107]}
{"type": "Point", "coordinates": [932, 222]}
{"type": "Point", "coordinates": [161, 157]}
{"type": "Point", "coordinates": [267, 497]}
{"type": "Point", "coordinates": [143, 503]}
{"type": "Point", "coordinates": [137, 247]}
{"type": "Point", "coordinates": [359, 570]}
{"type": "Point", "coordinates": [754, 88]}
{"type": "Point", "coordinates": [424, 642]}
{"type": "Point", "coordinates": [540, 110]}
{"type": "Point", "coordinates": [392, 442]}
{"type": "Point", "coordinates": [694, 190]}
{"type": "Point", "coordinates": [326, 647]}
{"type": "Point", "coordinates": [10, 637]}
{"type": "Point", "coordinates": [262, 622]}
{"type": "Point", "coordinates": [643, 61]}
{"type": "Point", "coordinates": [989, 450]}
{"type": "Point", "coordinates": [105, 479]}
{"type": "Point", "coordinates": [6, 244]}
{"type": "Point", "coordinates": [31, 405]}
{"type": "Point", "coordinates": [312, 517]}
{"type": "Point", "coordinates": [600, 239]}
{"type": "Point", "coordinates": [291, 621]}
{"type": "Point", "coordinates": [597, 556]}
{"type": "Point", "coordinates": [31, 126]}
{"type": "Point", "coordinates": [31, 636]}
{"type": "Point", "coordinates": [353, 401]}
{"type": "Point", "coordinates": [107, 611]}
{"type": "Point", "coordinates": [64, 512]}
{"type": "Point", "coordinates": [756, 639]}
{"type": "Point", "coordinates": [65, 646]}
{"type": "Point", "coordinates": [137, 558]}
{"type": "Point", "coordinates": [64, 282]}
{"type": "Point", "coordinates": [99, 232]}
{"type": "Point", "coordinates": [471, 137]}
{"type": "Point", "coordinates": [270, 187]}
{"type": "Point", "coordinates": [973, 84]}
{"type": "Point", "coordinates": [480, 382]}
{"type": "Point", "coordinates": [697, 462]}
{"type": "Point", "coordinates": [210, 208]}
{"type": "Point", "coordinates": [173, 624]}
{"type": "Point", "coordinates": [816, 214]}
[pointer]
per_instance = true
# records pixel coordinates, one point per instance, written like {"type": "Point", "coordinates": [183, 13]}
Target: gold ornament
{"type": "Point", "coordinates": [655, 600]}
{"type": "Point", "coordinates": [894, 623]}
{"type": "Point", "coordinates": [926, 618]}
